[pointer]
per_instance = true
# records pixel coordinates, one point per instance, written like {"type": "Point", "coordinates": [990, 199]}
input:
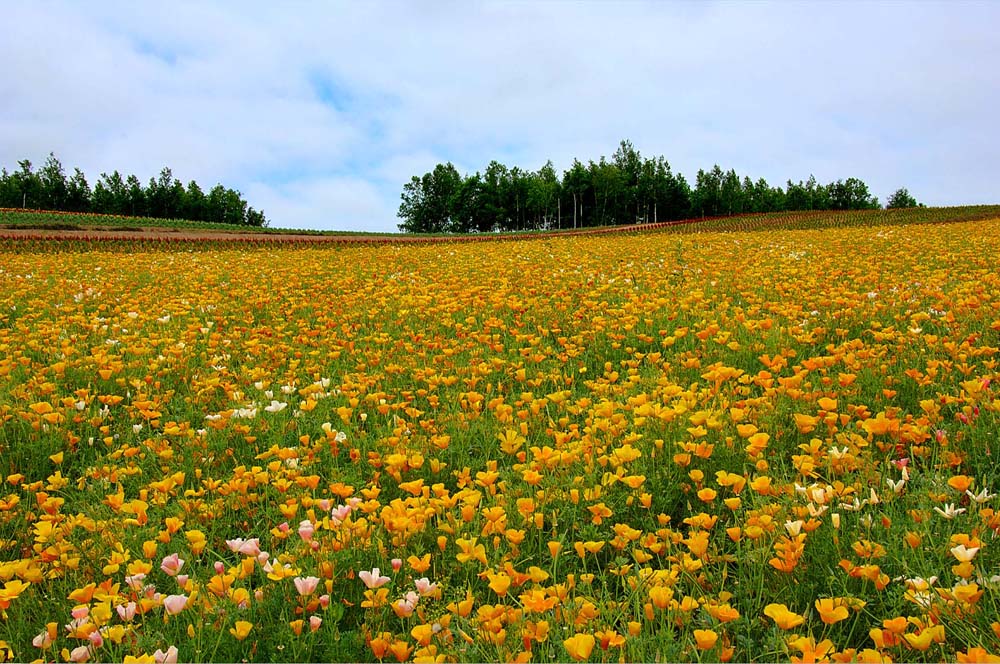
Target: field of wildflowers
{"type": "Point", "coordinates": [753, 445]}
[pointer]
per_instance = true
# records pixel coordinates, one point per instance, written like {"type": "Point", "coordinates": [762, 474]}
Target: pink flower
{"type": "Point", "coordinates": [424, 586]}
{"type": "Point", "coordinates": [397, 564]}
{"type": "Point", "coordinates": [169, 657]}
{"type": "Point", "coordinates": [283, 527]}
{"type": "Point", "coordinates": [96, 638]}
{"type": "Point", "coordinates": [172, 564]}
{"type": "Point", "coordinates": [126, 611]}
{"type": "Point", "coordinates": [250, 547]}
{"type": "Point", "coordinates": [43, 640]}
{"type": "Point", "coordinates": [174, 604]}
{"type": "Point", "coordinates": [218, 567]}
{"type": "Point", "coordinates": [315, 622]}
{"type": "Point", "coordinates": [306, 530]}
{"type": "Point", "coordinates": [340, 512]}
{"type": "Point", "coordinates": [182, 580]}
{"type": "Point", "coordinates": [135, 582]}
{"type": "Point", "coordinates": [306, 585]}
{"type": "Point", "coordinates": [406, 605]}
{"type": "Point", "coordinates": [80, 612]}
{"type": "Point", "coordinates": [80, 654]}
{"type": "Point", "coordinates": [374, 578]}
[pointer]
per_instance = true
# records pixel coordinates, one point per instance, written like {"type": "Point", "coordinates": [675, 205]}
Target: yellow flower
{"type": "Point", "coordinates": [241, 630]}
{"type": "Point", "coordinates": [499, 582]}
{"type": "Point", "coordinates": [782, 617]}
{"type": "Point", "coordinates": [579, 646]}
{"type": "Point", "coordinates": [470, 550]}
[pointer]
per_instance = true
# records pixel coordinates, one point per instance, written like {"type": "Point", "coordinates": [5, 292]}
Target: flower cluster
{"type": "Point", "coordinates": [713, 446]}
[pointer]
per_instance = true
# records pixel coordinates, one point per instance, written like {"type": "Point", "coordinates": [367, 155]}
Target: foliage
{"type": "Point", "coordinates": [901, 198]}
{"type": "Point", "coordinates": [770, 444]}
{"type": "Point", "coordinates": [625, 190]}
{"type": "Point", "coordinates": [163, 197]}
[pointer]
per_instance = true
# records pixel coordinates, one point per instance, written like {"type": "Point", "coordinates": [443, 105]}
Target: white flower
{"type": "Point", "coordinates": [964, 554]}
{"type": "Point", "coordinates": [949, 511]}
{"type": "Point", "coordinates": [980, 497]}
{"type": "Point", "coordinates": [276, 406]}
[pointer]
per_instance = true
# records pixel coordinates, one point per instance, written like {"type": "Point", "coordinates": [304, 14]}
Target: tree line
{"type": "Point", "coordinates": [626, 189]}
{"type": "Point", "coordinates": [164, 197]}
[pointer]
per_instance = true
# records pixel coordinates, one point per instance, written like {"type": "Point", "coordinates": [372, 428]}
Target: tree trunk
{"type": "Point", "coordinates": [574, 209]}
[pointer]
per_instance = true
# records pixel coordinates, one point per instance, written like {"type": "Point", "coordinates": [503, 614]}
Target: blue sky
{"type": "Point", "coordinates": [320, 112]}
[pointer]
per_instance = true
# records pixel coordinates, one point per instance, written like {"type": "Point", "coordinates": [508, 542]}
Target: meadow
{"type": "Point", "coordinates": [764, 444]}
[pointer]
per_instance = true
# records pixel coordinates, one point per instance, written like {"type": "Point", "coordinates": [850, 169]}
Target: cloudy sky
{"type": "Point", "coordinates": [320, 112]}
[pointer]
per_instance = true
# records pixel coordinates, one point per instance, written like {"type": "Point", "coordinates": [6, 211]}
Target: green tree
{"type": "Point", "coordinates": [543, 197]}
{"type": "Point", "coordinates": [256, 218]}
{"type": "Point", "coordinates": [706, 199]}
{"type": "Point", "coordinates": [901, 199]}
{"type": "Point", "coordinates": [731, 194]}
{"type": "Point", "coordinates": [78, 192]}
{"type": "Point", "coordinates": [851, 194]}
{"type": "Point", "coordinates": [577, 186]}
{"type": "Point", "coordinates": [53, 185]}
{"type": "Point", "coordinates": [427, 201]}
{"type": "Point", "coordinates": [135, 199]}
{"type": "Point", "coordinates": [608, 192]}
{"type": "Point", "coordinates": [9, 195]}
{"type": "Point", "coordinates": [110, 195]}
{"type": "Point", "coordinates": [495, 215]}
{"type": "Point", "coordinates": [630, 200]}
{"type": "Point", "coordinates": [195, 204]}
{"type": "Point", "coordinates": [28, 186]}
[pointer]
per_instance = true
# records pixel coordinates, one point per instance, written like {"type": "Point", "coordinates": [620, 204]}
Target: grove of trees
{"type": "Point", "coordinates": [163, 197]}
{"type": "Point", "coordinates": [626, 189]}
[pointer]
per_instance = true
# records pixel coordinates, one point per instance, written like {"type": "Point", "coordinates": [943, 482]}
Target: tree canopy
{"type": "Point", "coordinates": [163, 197]}
{"type": "Point", "coordinates": [625, 189]}
{"type": "Point", "coordinates": [901, 198]}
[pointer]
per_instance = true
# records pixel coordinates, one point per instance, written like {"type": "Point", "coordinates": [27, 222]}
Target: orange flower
{"type": "Point", "coordinates": [609, 638]}
{"type": "Point", "coordinates": [960, 483]}
{"type": "Point", "coordinates": [705, 639]}
{"type": "Point", "coordinates": [831, 610]}
{"type": "Point", "coordinates": [976, 654]}
{"type": "Point", "coordinates": [421, 564]}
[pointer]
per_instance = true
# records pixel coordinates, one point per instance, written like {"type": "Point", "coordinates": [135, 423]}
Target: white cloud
{"type": "Point", "coordinates": [282, 100]}
{"type": "Point", "coordinates": [325, 203]}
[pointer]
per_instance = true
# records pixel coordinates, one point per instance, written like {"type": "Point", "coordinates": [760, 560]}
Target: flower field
{"type": "Point", "coordinates": [749, 445]}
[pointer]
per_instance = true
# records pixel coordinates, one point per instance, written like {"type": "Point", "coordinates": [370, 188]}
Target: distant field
{"type": "Point", "coordinates": [772, 439]}
{"type": "Point", "coordinates": [48, 220]}
{"type": "Point", "coordinates": [54, 222]}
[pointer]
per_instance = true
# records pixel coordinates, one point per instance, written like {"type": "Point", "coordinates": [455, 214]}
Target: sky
{"type": "Point", "coordinates": [319, 113]}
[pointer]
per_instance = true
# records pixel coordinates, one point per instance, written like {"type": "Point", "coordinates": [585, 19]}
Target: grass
{"type": "Point", "coordinates": [737, 444]}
